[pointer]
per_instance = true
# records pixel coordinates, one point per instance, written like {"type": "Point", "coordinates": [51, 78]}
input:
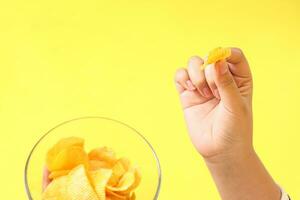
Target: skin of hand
{"type": "Point", "coordinates": [217, 105]}
{"type": "Point", "coordinates": [46, 180]}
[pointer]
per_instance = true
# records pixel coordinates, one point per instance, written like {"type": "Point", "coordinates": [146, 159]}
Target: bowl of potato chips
{"type": "Point", "coordinates": [92, 158]}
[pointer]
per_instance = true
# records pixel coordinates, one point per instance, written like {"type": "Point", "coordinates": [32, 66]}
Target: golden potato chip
{"type": "Point", "coordinates": [115, 196]}
{"type": "Point", "coordinates": [125, 182]}
{"type": "Point", "coordinates": [128, 182]}
{"type": "Point", "coordinates": [215, 55]}
{"type": "Point", "coordinates": [120, 168]}
{"type": "Point", "coordinates": [69, 158]}
{"type": "Point", "coordinates": [103, 154]}
{"type": "Point", "coordinates": [65, 143]}
{"type": "Point", "coordinates": [137, 180]}
{"type": "Point", "coordinates": [73, 186]}
{"type": "Point", "coordinates": [125, 162]}
{"type": "Point", "coordinates": [56, 174]}
{"type": "Point", "coordinates": [56, 189]}
{"type": "Point", "coordinates": [98, 164]}
{"type": "Point", "coordinates": [58, 156]}
{"type": "Point", "coordinates": [99, 179]}
{"type": "Point", "coordinates": [79, 186]}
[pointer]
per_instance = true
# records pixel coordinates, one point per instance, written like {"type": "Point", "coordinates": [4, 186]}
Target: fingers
{"type": "Point", "coordinates": [188, 93]}
{"type": "Point", "coordinates": [219, 80]}
{"type": "Point", "coordinates": [226, 85]}
{"type": "Point", "coordinates": [209, 75]}
{"type": "Point", "coordinates": [197, 76]}
{"type": "Point", "coordinates": [238, 63]}
{"type": "Point", "coordinates": [182, 80]}
{"type": "Point", "coordinates": [193, 78]}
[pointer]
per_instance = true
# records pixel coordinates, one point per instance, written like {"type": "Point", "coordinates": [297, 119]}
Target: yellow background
{"type": "Point", "coordinates": [65, 59]}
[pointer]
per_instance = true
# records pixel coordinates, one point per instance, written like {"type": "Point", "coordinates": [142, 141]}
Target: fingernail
{"type": "Point", "coordinates": [206, 92]}
{"type": "Point", "coordinates": [190, 85]}
{"type": "Point", "coordinates": [210, 65]}
{"type": "Point", "coordinates": [222, 67]}
{"type": "Point", "coordinates": [217, 94]}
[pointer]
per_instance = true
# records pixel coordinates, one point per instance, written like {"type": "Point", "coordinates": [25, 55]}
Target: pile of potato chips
{"type": "Point", "coordinates": [97, 175]}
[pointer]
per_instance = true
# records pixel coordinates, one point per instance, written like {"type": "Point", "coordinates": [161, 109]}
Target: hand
{"type": "Point", "coordinates": [217, 104]}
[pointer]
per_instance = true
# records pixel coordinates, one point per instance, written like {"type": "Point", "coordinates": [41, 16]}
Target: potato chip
{"type": "Point", "coordinates": [67, 142]}
{"type": "Point", "coordinates": [64, 143]}
{"type": "Point", "coordinates": [98, 164]}
{"type": "Point", "coordinates": [125, 162]}
{"type": "Point", "coordinates": [56, 174]}
{"type": "Point", "coordinates": [115, 196]}
{"type": "Point", "coordinates": [73, 186]}
{"type": "Point", "coordinates": [128, 182]}
{"type": "Point", "coordinates": [137, 180]}
{"type": "Point", "coordinates": [215, 55]}
{"type": "Point", "coordinates": [99, 179]}
{"type": "Point", "coordinates": [125, 182]}
{"type": "Point", "coordinates": [79, 186]}
{"type": "Point", "coordinates": [69, 158]}
{"type": "Point", "coordinates": [56, 189]}
{"type": "Point", "coordinates": [66, 154]}
{"type": "Point", "coordinates": [120, 168]}
{"type": "Point", "coordinates": [103, 154]}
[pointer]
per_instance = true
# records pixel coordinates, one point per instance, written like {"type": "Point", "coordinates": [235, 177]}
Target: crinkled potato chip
{"type": "Point", "coordinates": [215, 55]}
{"type": "Point", "coordinates": [73, 186]}
{"type": "Point", "coordinates": [56, 189]}
{"type": "Point", "coordinates": [79, 186]}
{"type": "Point", "coordinates": [99, 175]}
{"type": "Point", "coordinates": [99, 179]}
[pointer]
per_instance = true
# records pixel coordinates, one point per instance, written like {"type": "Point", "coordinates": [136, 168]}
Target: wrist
{"type": "Point", "coordinates": [241, 175]}
{"type": "Point", "coordinates": [233, 155]}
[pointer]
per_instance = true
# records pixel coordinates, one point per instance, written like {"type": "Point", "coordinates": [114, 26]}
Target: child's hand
{"type": "Point", "coordinates": [217, 105]}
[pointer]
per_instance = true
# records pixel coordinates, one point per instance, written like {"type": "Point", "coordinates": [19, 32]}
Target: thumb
{"type": "Point", "coordinates": [226, 85]}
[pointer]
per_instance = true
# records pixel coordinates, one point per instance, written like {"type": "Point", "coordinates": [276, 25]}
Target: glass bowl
{"type": "Point", "coordinates": [97, 132]}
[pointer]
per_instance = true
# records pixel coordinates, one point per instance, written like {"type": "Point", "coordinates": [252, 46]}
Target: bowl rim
{"type": "Point", "coordinates": [158, 165]}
